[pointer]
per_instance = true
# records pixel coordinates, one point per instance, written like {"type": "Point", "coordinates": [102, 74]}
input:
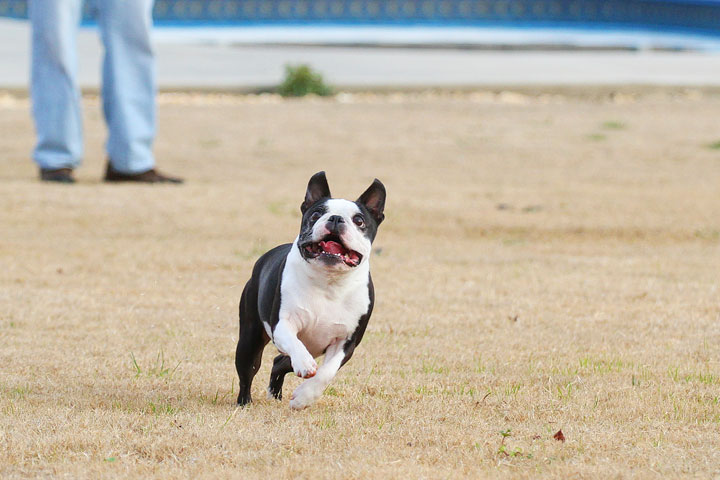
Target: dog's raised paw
{"type": "Point", "coordinates": [305, 367]}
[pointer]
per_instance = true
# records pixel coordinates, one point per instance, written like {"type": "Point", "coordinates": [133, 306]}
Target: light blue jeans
{"type": "Point", "coordinates": [128, 83]}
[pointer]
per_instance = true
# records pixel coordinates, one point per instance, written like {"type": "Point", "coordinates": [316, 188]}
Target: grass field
{"type": "Point", "coordinates": [548, 262]}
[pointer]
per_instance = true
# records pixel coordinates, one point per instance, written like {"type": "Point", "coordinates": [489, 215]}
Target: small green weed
{"type": "Point", "coordinates": [603, 366]}
{"type": "Point", "coordinates": [565, 391]}
{"type": "Point", "coordinates": [509, 452]}
{"type": "Point", "coordinates": [434, 367]}
{"type": "Point", "coordinates": [512, 389]}
{"type": "Point", "coordinates": [707, 378]}
{"type": "Point", "coordinates": [698, 377]}
{"type": "Point", "coordinates": [301, 80]}
{"type": "Point", "coordinates": [218, 398]}
{"type": "Point", "coordinates": [158, 369]}
{"type": "Point", "coordinates": [426, 390]}
{"type": "Point", "coordinates": [506, 451]}
{"type": "Point", "coordinates": [327, 421]}
{"type": "Point", "coordinates": [160, 408]}
{"type": "Point", "coordinates": [20, 392]}
{"type": "Point", "coordinates": [464, 389]}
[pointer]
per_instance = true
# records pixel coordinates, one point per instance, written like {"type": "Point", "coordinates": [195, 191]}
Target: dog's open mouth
{"type": "Point", "coordinates": [331, 248]}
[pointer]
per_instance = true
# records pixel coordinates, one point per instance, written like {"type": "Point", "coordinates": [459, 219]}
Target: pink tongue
{"type": "Point", "coordinates": [332, 247]}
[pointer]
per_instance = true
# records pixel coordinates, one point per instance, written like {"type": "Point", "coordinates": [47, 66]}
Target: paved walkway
{"type": "Point", "coordinates": [234, 62]}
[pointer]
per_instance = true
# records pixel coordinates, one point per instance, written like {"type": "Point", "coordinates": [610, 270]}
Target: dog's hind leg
{"type": "Point", "coordinates": [248, 353]}
{"type": "Point", "coordinates": [248, 356]}
{"type": "Point", "coordinates": [281, 367]}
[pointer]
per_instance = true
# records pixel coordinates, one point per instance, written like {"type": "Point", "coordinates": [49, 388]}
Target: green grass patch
{"type": "Point", "coordinates": [20, 392]}
{"type": "Point", "coordinates": [601, 365]}
{"type": "Point", "coordinates": [160, 408]}
{"type": "Point", "coordinates": [425, 390]}
{"type": "Point", "coordinates": [707, 378]}
{"type": "Point", "coordinates": [434, 367]}
{"type": "Point", "coordinates": [15, 393]}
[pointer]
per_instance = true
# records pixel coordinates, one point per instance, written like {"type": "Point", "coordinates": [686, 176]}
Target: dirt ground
{"type": "Point", "coordinates": [548, 262]}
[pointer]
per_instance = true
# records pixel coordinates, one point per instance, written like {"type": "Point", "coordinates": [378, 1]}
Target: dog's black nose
{"type": "Point", "coordinates": [336, 224]}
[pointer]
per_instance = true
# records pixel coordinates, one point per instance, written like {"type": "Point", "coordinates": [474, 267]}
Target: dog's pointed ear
{"type": "Point", "coordinates": [317, 189]}
{"type": "Point", "coordinates": [374, 200]}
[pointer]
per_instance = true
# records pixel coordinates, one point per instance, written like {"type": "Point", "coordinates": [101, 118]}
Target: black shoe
{"type": "Point", "coordinates": [149, 176]}
{"type": "Point", "coordinates": [58, 175]}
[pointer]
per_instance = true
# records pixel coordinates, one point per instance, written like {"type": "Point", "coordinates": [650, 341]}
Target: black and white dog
{"type": "Point", "coordinates": [313, 296]}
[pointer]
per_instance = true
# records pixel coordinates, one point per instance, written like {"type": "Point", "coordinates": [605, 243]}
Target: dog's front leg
{"type": "Point", "coordinates": [310, 390]}
{"type": "Point", "coordinates": [286, 340]}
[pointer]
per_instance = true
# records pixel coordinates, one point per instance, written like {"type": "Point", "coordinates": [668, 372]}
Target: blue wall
{"type": "Point", "coordinates": [698, 16]}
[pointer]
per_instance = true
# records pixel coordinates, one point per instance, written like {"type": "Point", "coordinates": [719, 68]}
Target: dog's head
{"type": "Point", "coordinates": [337, 234]}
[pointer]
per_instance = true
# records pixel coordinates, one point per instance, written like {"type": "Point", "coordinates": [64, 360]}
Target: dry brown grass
{"type": "Point", "coordinates": [546, 263]}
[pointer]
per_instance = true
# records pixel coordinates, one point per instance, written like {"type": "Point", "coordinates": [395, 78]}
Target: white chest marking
{"type": "Point", "coordinates": [322, 306]}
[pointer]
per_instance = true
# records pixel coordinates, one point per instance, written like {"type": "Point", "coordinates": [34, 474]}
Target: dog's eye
{"type": "Point", "coordinates": [359, 220]}
{"type": "Point", "coordinates": [315, 216]}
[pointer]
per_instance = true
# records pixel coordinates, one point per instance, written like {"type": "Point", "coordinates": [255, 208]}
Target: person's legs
{"type": "Point", "coordinates": [128, 83]}
{"type": "Point", "coordinates": [54, 90]}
